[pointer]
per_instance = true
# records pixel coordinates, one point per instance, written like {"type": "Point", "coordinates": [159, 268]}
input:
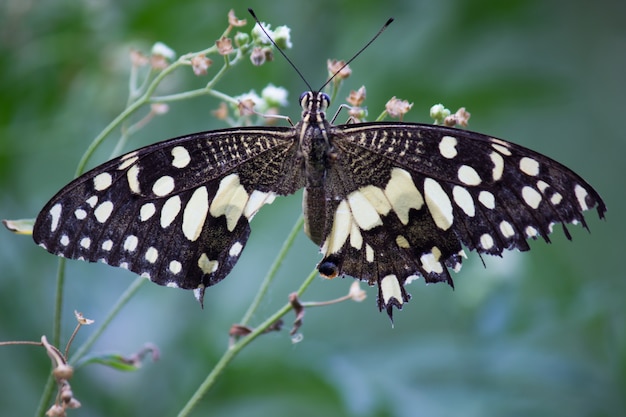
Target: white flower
{"type": "Point", "coordinates": [251, 95]}
{"type": "Point", "coordinates": [282, 37]}
{"type": "Point", "coordinates": [163, 50]}
{"type": "Point", "coordinates": [439, 112]}
{"type": "Point", "coordinates": [275, 96]}
{"type": "Point", "coordinates": [258, 33]}
{"type": "Point", "coordinates": [252, 99]}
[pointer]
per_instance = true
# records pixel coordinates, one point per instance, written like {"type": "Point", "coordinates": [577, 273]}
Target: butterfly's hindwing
{"type": "Point", "coordinates": [176, 211]}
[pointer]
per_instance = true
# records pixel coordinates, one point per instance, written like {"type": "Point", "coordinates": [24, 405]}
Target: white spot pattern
{"type": "Point", "coordinates": [132, 176]}
{"type": "Point", "coordinates": [163, 186]}
{"type": "Point", "coordinates": [207, 266]}
{"type": "Point", "coordinates": [356, 239]}
{"type": "Point", "coordinates": [181, 157]}
{"type": "Point", "coordinates": [146, 211]}
{"type": "Point", "coordinates": [531, 197]}
{"type": "Point", "coordinates": [556, 198]}
{"type": "Point", "coordinates": [102, 181]}
{"type": "Point", "coordinates": [175, 267]}
{"type": "Point", "coordinates": [464, 200]}
{"type": "Point", "coordinates": [256, 201]}
{"type": "Point", "coordinates": [235, 250]}
{"type": "Point", "coordinates": [487, 199]}
{"type": "Point", "coordinates": [342, 224]}
{"type": "Point", "coordinates": [531, 231]}
{"type": "Point", "coordinates": [529, 166]}
{"type": "Point", "coordinates": [390, 288]}
{"type": "Point", "coordinates": [581, 196]}
{"type": "Point", "coordinates": [402, 242]}
{"type": "Point", "coordinates": [55, 214]}
{"type": "Point", "coordinates": [369, 253]}
{"type": "Point", "coordinates": [402, 194]}
{"type": "Point", "coordinates": [468, 175]}
{"type": "Point", "coordinates": [438, 204]}
{"type": "Point", "coordinates": [130, 243]}
{"type": "Point", "coordinates": [430, 261]}
{"type": "Point", "coordinates": [501, 147]}
{"type": "Point", "coordinates": [92, 201]}
{"type": "Point", "coordinates": [498, 166]}
{"type": "Point", "coordinates": [506, 229]}
{"type": "Point", "coordinates": [229, 201]}
{"type": "Point", "coordinates": [195, 213]}
{"type": "Point", "coordinates": [170, 210]}
{"type": "Point", "coordinates": [486, 241]}
{"type": "Point", "coordinates": [363, 211]}
{"type": "Point", "coordinates": [447, 147]}
{"type": "Point", "coordinates": [152, 254]}
{"type": "Point", "coordinates": [103, 211]}
{"type": "Point", "coordinates": [128, 159]}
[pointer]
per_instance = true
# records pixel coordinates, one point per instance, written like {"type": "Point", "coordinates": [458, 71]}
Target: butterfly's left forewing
{"type": "Point", "coordinates": [408, 196]}
{"type": "Point", "coordinates": [177, 211]}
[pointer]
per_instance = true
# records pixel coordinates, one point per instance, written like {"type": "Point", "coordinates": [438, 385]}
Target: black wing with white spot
{"type": "Point", "coordinates": [406, 197]}
{"type": "Point", "coordinates": [386, 202]}
{"type": "Point", "coordinates": [177, 211]}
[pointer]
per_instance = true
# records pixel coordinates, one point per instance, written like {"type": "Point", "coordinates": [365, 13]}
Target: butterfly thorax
{"type": "Point", "coordinates": [317, 155]}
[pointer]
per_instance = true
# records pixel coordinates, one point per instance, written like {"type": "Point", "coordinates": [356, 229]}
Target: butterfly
{"type": "Point", "coordinates": [386, 202]}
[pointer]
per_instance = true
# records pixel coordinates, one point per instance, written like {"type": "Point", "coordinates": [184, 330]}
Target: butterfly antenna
{"type": "Point", "coordinates": [381, 30]}
{"type": "Point", "coordinates": [256, 19]}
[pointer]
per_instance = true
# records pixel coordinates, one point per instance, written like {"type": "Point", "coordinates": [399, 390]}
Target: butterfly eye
{"type": "Point", "coordinates": [304, 99]}
{"type": "Point", "coordinates": [324, 101]}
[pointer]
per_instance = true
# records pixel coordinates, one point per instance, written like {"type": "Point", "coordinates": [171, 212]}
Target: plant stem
{"type": "Point", "coordinates": [271, 273]}
{"type": "Point", "coordinates": [233, 350]}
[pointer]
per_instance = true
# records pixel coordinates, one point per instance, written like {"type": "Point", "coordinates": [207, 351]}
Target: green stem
{"type": "Point", "coordinates": [273, 270]}
{"type": "Point", "coordinates": [58, 303]}
{"type": "Point", "coordinates": [46, 395]}
{"type": "Point", "coordinates": [233, 350]}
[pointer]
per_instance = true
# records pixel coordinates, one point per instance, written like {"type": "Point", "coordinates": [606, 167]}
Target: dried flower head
{"type": "Point", "coordinates": [159, 108]}
{"type": "Point", "coordinates": [356, 98]}
{"type": "Point", "coordinates": [257, 56]}
{"type": "Point", "coordinates": [56, 411]}
{"type": "Point", "coordinates": [356, 293]}
{"type": "Point", "coordinates": [246, 107]}
{"type": "Point", "coordinates": [200, 64]}
{"type": "Point", "coordinates": [138, 59]}
{"type": "Point", "coordinates": [224, 46]}
{"type": "Point", "coordinates": [233, 21]}
{"type": "Point", "coordinates": [460, 118]}
{"type": "Point", "coordinates": [397, 108]}
{"type": "Point", "coordinates": [340, 68]}
{"type": "Point", "coordinates": [357, 114]}
{"type": "Point", "coordinates": [221, 113]}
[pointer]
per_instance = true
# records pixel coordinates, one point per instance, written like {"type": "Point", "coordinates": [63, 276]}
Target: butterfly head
{"type": "Point", "coordinates": [314, 103]}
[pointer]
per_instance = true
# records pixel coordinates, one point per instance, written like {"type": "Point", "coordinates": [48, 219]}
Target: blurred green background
{"type": "Point", "coordinates": [540, 333]}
